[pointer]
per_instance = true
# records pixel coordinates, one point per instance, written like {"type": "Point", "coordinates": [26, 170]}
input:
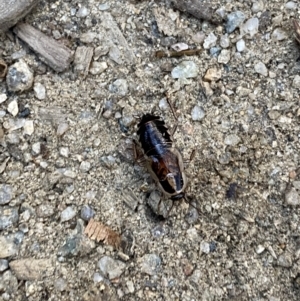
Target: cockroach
{"type": "Point", "coordinates": [163, 161]}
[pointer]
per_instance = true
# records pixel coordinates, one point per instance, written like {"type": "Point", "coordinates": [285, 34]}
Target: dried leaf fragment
{"type": "Point", "coordinates": [100, 232]}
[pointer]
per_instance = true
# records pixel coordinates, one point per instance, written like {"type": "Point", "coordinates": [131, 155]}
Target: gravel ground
{"type": "Point", "coordinates": [65, 155]}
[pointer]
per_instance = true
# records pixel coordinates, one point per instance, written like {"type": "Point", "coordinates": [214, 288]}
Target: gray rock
{"type": "Point", "coordinates": [257, 6]}
{"type": "Point", "coordinates": [19, 77]}
{"type": "Point", "coordinates": [6, 193]}
{"type": "Point", "coordinates": [296, 81]}
{"type": "Point", "coordinates": [98, 67]}
{"type": "Point", "coordinates": [67, 214]}
{"type": "Point", "coordinates": [60, 284]}
{"type": "Point", "coordinates": [186, 69]}
{"type": "Point", "coordinates": [119, 87]}
{"type": "Point", "coordinates": [9, 284]}
{"type": "Point", "coordinates": [292, 197]}
{"type": "Point", "coordinates": [3, 265]}
{"type": "Point", "coordinates": [150, 264]}
{"type": "Point", "coordinates": [197, 113]}
{"type": "Point", "coordinates": [234, 20]}
{"type": "Point", "coordinates": [110, 267]}
{"type": "Point", "coordinates": [224, 41]}
{"type": "Point", "coordinates": [13, 108]}
{"type": "Point", "coordinates": [8, 217]}
{"type": "Point", "coordinates": [240, 45]}
{"type": "Point", "coordinates": [8, 247]}
{"type": "Point", "coordinates": [87, 213]}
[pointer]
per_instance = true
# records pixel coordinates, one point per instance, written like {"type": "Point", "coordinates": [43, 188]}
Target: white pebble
{"type": "Point", "coordinates": [3, 97]}
{"type": "Point", "coordinates": [67, 214]}
{"type": "Point", "coordinates": [13, 108]}
{"type": "Point", "coordinates": [296, 81]}
{"type": "Point", "coordinates": [163, 104]}
{"type": "Point", "coordinates": [224, 56]}
{"type": "Point", "coordinates": [64, 151]}
{"type": "Point", "coordinates": [28, 127]}
{"type": "Point", "coordinates": [210, 41]}
{"type": "Point", "coordinates": [39, 91]}
{"type": "Point", "coordinates": [261, 68]}
{"type": "Point", "coordinates": [291, 5]}
{"type": "Point", "coordinates": [98, 67]}
{"type": "Point", "coordinates": [224, 41]}
{"type": "Point", "coordinates": [232, 139]}
{"type": "Point", "coordinates": [197, 113]}
{"type": "Point", "coordinates": [85, 166]}
{"type": "Point", "coordinates": [240, 45]}
{"type": "Point", "coordinates": [180, 46]}
{"type": "Point", "coordinates": [62, 128]}
{"type": "Point", "coordinates": [36, 148]}
{"type": "Point", "coordinates": [279, 34]}
{"type": "Point", "coordinates": [250, 27]}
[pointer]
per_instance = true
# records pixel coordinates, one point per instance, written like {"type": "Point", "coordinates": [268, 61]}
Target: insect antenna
{"type": "Point", "coordinates": [192, 205]}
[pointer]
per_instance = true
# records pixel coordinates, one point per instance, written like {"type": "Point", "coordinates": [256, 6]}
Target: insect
{"type": "Point", "coordinates": [163, 161]}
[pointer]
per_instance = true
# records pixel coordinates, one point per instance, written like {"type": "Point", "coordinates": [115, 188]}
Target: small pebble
{"type": "Point", "coordinates": [296, 82]}
{"type": "Point", "coordinates": [261, 68]}
{"type": "Point", "coordinates": [62, 128]}
{"type": "Point", "coordinates": [9, 216]}
{"type": "Point", "coordinates": [240, 45]}
{"type": "Point", "coordinates": [224, 56]}
{"type": "Point", "coordinates": [234, 20]}
{"type": "Point", "coordinates": [70, 174]}
{"type": "Point", "coordinates": [64, 151]}
{"type": "Point", "coordinates": [224, 41]}
{"type": "Point", "coordinates": [7, 247]}
{"type": "Point", "coordinates": [82, 12]}
{"type": "Point", "coordinates": [213, 74]}
{"type": "Point", "coordinates": [87, 213]}
{"type": "Point", "coordinates": [180, 47]}
{"type": "Point", "coordinates": [3, 97]}
{"type": "Point", "coordinates": [257, 6]}
{"type": "Point", "coordinates": [150, 264]}
{"type": "Point", "coordinates": [13, 108]}
{"type": "Point", "coordinates": [6, 193]}
{"type": "Point", "coordinates": [104, 6]}
{"type": "Point", "coordinates": [292, 197]}
{"type": "Point", "coordinates": [285, 260]}
{"type": "Point", "coordinates": [36, 148]}
{"type": "Point", "coordinates": [199, 37]}
{"type": "Point", "coordinates": [45, 210]}
{"type": "Point", "coordinates": [98, 67]}
{"type": "Point", "coordinates": [67, 214]}
{"type": "Point", "coordinates": [88, 37]}
{"type": "Point", "coordinates": [250, 27]}
{"type": "Point", "coordinates": [163, 104]}
{"type": "Point", "coordinates": [39, 91]}
{"type": "Point", "coordinates": [210, 41]}
{"type": "Point", "coordinates": [28, 127]}
{"type": "Point", "coordinates": [185, 69]}
{"type": "Point", "coordinates": [119, 87]}
{"type": "Point", "coordinates": [291, 5]}
{"type": "Point", "coordinates": [110, 267]}
{"type": "Point", "coordinates": [3, 265]}
{"type": "Point", "coordinates": [259, 249]}
{"type": "Point", "coordinates": [19, 77]}
{"type": "Point", "coordinates": [232, 139]}
{"type": "Point", "coordinates": [130, 286]}
{"type": "Point", "coordinates": [60, 284]}
{"type": "Point", "coordinates": [279, 34]}
{"type": "Point", "coordinates": [197, 113]}
{"type": "Point", "coordinates": [97, 278]}
{"type": "Point", "coordinates": [204, 247]}
{"type": "Point", "coordinates": [85, 166]}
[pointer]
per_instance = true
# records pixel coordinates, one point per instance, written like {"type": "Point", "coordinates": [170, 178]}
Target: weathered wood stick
{"type": "Point", "coordinates": [11, 11]}
{"type": "Point", "coordinates": [51, 52]}
{"type": "Point", "coordinates": [82, 60]}
{"type": "Point", "coordinates": [200, 9]}
{"type": "Point", "coordinates": [161, 53]}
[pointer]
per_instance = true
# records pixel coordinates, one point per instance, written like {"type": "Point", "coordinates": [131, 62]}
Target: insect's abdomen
{"type": "Point", "coordinates": [153, 135]}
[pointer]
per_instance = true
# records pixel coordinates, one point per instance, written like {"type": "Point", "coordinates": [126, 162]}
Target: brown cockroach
{"type": "Point", "coordinates": [163, 161]}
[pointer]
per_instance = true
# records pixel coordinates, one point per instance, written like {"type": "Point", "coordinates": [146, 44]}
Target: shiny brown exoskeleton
{"type": "Point", "coordinates": [164, 162]}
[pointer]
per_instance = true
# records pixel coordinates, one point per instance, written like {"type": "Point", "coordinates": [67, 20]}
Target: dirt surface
{"type": "Point", "coordinates": [70, 147]}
